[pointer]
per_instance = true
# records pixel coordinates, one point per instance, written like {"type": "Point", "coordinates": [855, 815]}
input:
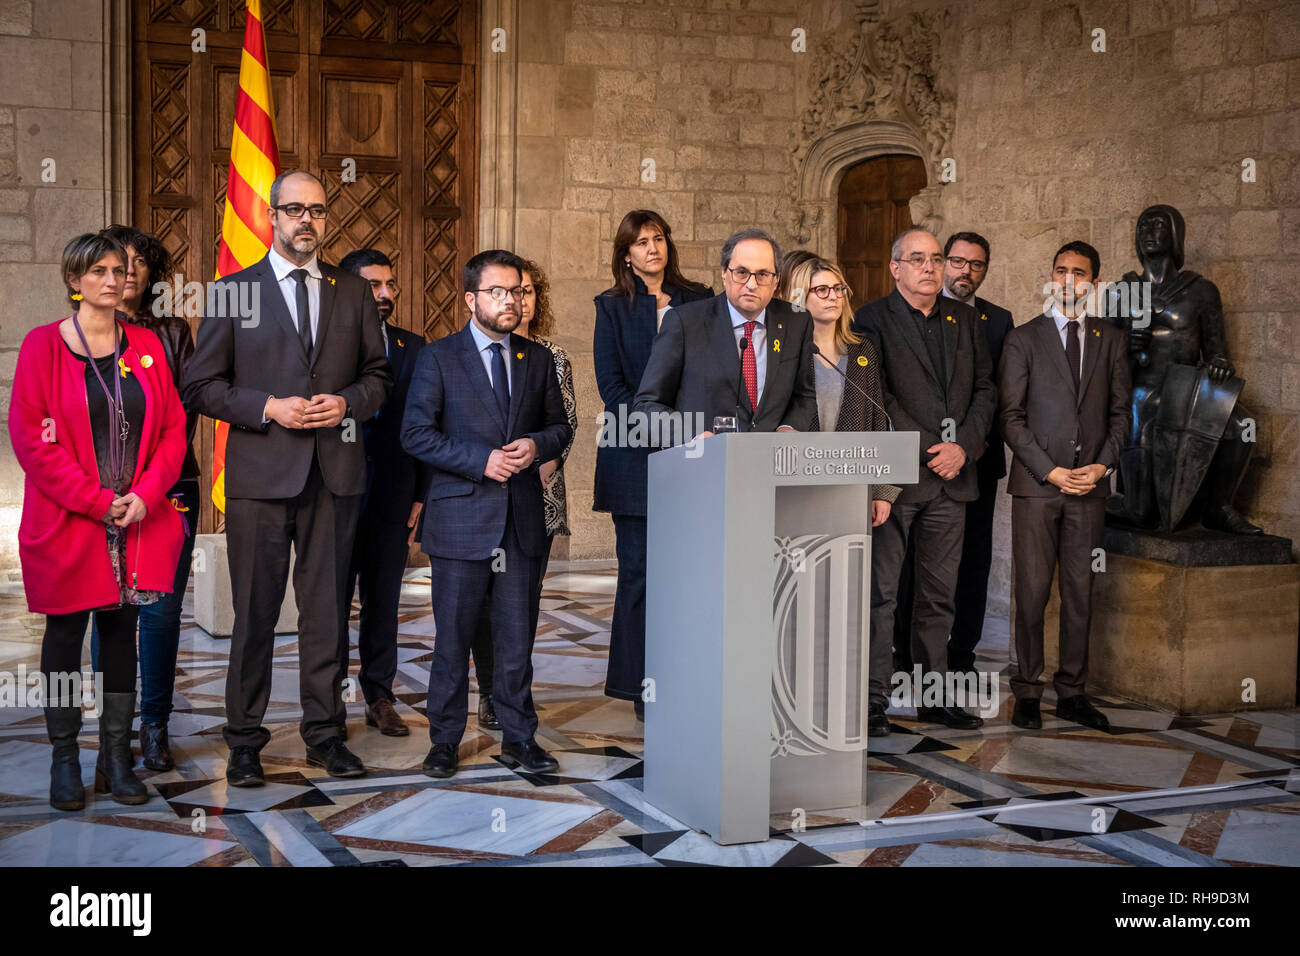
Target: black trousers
{"type": "Point", "coordinates": [378, 563]}
{"type": "Point", "coordinates": [970, 601]}
{"type": "Point", "coordinates": [627, 630]}
{"type": "Point", "coordinates": [65, 636]}
{"type": "Point", "coordinates": [482, 646]}
{"type": "Point", "coordinates": [1046, 532]}
{"type": "Point", "coordinates": [460, 591]}
{"type": "Point", "coordinates": [319, 527]}
{"type": "Point", "coordinates": [936, 526]}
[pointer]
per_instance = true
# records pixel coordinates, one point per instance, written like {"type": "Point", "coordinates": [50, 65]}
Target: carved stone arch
{"type": "Point", "coordinates": [833, 154]}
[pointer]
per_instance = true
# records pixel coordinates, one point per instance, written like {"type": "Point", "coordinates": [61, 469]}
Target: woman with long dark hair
{"type": "Point", "coordinates": [647, 283]}
{"type": "Point", "coordinates": [98, 429]}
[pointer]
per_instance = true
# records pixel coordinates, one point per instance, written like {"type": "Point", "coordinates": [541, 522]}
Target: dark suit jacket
{"type": "Point", "coordinates": [1043, 417]}
{"type": "Point", "coordinates": [239, 363]}
{"type": "Point", "coordinates": [624, 333]}
{"type": "Point", "coordinates": [996, 322]}
{"type": "Point", "coordinates": [694, 368]}
{"type": "Point", "coordinates": [394, 480]}
{"type": "Point", "coordinates": [915, 398]}
{"type": "Point", "coordinates": [857, 414]}
{"type": "Point", "coordinates": [452, 423]}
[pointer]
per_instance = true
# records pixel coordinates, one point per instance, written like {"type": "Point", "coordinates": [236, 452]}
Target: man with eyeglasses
{"type": "Point", "coordinates": [741, 354]}
{"type": "Point", "coordinates": [966, 262]}
{"type": "Point", "coordinates": [396, 485]}
{"type": "Point", "coordinates": [293, 381]}
{"type": "Point", "coordinates": [938, 381]}
{"type": "Point", "coordinates": [484, 411]}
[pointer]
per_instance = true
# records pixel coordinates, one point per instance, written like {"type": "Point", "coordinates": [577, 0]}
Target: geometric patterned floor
{"type": "Point", "coordinates": [1211, 792]}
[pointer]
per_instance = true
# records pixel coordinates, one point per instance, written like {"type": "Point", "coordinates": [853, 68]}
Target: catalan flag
{"type": "Point", "coordinates": [254, 164]}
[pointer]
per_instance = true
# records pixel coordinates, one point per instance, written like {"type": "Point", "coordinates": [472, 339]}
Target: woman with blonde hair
{"type": "Point", "coordinates": [821, 287]}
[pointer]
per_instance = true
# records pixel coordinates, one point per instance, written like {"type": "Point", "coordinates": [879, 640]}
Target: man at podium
{"type": "Point", "coordinates": [741, 355]}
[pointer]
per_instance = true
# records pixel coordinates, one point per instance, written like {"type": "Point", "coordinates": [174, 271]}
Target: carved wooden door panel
{"type": "Point", "coordinates": [873, 209]}
{"type": "Point", "coordinates": [376, 97]}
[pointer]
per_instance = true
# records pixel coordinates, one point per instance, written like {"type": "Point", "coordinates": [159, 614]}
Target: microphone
{"type": "Point", "coordinates": [740, 383]}
{"type": "Point", "coordinates": [861, 390]}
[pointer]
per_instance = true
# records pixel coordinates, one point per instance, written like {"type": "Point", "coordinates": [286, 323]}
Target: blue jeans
{"type": "Point", "coordinates": [160, 623]}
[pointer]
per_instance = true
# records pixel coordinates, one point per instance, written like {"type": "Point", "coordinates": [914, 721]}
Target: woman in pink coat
{"type": "Point", "coordinates": [98, 428]}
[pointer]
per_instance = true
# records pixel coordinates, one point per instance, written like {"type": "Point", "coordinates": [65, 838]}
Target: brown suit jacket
{"type": "Point", "coordinates": [1046, 421]}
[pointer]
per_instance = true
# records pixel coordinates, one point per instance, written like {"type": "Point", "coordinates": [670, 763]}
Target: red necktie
{"type": "Point", "coordinates": [748, 368]}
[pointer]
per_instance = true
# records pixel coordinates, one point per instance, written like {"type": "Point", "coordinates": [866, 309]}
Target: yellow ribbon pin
{"type": "Point", "coordinates": [1097, 333]}
{"type": "Point", "coordinates": [401, 344]}
{"type": "Point", "coordinates": [146, 361]}
{"type": "Point", "coordinates": [331, 279]}
{"type": "Point", "coordinates": [178, 504]}
{"type": "Point", "coordinates": [776, 345]}
{"type": "Point", "coordinates": [950, 319]}
{"type": "Point", "coordinates": [983, 317]}
{"type": "Point", "coordinates": [862, 360]}
{"type": "Point", "coordinates": [121, 364]}
{"type": "Point", "coordinates": [519, 355]}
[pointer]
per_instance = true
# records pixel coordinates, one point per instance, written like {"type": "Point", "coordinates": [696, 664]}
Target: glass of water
{"type": "Point", "coordinates": [723, 424]}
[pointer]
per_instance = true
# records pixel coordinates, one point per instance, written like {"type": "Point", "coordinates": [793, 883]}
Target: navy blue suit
{"type": "Point", "coordinates": [971, 598]}
{"type": "Point", "coordinates": [485, 539]}
{"type": "Point", "coordinates": [394, 482]}
{"type": "Point", "coordinates": [625, 332]}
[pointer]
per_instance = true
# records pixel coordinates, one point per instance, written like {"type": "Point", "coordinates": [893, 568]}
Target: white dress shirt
{"type": "Point", "coordinates": [483, 343]}
{"type": "Point", "coordinates": [289, 289]}
{"type": "Point", "coordinates": [1061, 322]}
{"type": "Point", "coordinates": [757, 342]}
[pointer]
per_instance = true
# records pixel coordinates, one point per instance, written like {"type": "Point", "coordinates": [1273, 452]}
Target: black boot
{"type": "Point", "coordinates": [114, 768]}
{"type": "Point", "coordinates": [67, 792]}
{"type": "Point", "coordinates": [154, 748]}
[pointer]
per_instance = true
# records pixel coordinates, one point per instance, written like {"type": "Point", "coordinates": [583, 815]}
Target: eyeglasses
{"type": "Point", "coordinates": [499, 293]}
{"type": "Point", "coordinates": [976, 265]}
{"type": "Point", "coordinates": [743, 275]}
{"type": "Point", "coordinates": [390, 285]}
{"type": "Point", "coordinates": [919, 260]}
{"type": "Point", "coordinates": [824, 291]}
{"type": "Point", "coordinates": [294, 210]}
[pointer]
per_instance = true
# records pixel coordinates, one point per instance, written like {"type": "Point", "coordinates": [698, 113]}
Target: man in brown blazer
{"type": "Point", "coordinates": [1064, 403]}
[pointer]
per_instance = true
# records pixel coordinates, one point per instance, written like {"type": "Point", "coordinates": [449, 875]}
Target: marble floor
{"type": "Point", "coordinates": [1210, 792]}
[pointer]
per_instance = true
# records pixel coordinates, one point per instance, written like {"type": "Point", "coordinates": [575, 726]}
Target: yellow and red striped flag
{"type": "Point", "coordinates": [254, 164]}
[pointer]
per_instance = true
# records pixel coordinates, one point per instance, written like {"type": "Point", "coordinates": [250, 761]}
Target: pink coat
{"type": "Point", "coordinates": [61, 539]}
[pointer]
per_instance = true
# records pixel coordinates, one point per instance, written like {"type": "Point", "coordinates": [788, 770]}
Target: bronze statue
{"type": "Point", "coordinates": [1185, 455]}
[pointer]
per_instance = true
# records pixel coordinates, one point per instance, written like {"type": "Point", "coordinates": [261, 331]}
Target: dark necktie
{"type": "Point", "coordinates": [749, 366]}
{"type": "Point", "coordinates": [500, 383]}
{"type": "Point", "coordinates": [1072, 352]}
{"type": "Point", "coordinates": [304, 310]}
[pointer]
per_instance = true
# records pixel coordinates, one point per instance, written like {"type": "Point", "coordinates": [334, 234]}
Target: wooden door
{"type": "Point", "coordinates": [872, 211]}
{"type": "Point", "coordinates": [376, 97]}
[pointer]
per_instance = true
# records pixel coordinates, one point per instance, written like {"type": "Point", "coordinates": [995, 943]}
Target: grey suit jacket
{"type": "Point", "coordinates": [694, 368]}
{"type": "Point", "coordinates": [239, 363]}
{"type": "Point", "coordinates": [1046, 421]}
{"type": "Point", "coordinates": [961, 408]}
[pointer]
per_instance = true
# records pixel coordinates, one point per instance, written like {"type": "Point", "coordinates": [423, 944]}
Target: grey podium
{"type": "Point", "coordinates": [758, 596]}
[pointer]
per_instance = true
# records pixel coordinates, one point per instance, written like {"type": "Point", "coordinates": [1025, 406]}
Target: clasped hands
{"type": "Point", "coordinates": [1076, 481]}
{"type": "Point", "coordinates": [320, 411]}
{"type": "Point", "coordinates": [949, 457]}
{"type": "Point", "coordinates": [125, 509]}
{"type": "Point", "coordinates": [510, 459]}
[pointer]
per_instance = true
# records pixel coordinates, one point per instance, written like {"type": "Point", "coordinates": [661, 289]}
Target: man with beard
{"type": "Point", "coordinates": [395, 488]}
{"type": "Point", "coordinates": [293, 381]}
{"type": "Point", "coordinates": [485, 410]}
{"type": "Point", "coordinates": [966, 263]}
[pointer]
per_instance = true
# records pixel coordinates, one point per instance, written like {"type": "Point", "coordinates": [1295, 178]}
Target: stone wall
{"type": "Point", "coordinates": [53, 105]}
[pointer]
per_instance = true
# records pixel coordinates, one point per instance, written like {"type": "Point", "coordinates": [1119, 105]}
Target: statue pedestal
{"type": "Point", "coordinates": [1183, 639]}
{"type": "Point", "coordinates": [214, 608]}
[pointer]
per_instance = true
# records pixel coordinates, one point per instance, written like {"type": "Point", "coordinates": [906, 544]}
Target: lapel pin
{"type": "Point", "coordinates": [331, 279]}
{"type": "Point", "coordinates": [949, 318]}
{"type": "Point", "coordinates": [121, 364]}
{"type": "Point", "coordinates": [983, 317]}
{"type": "Point", "coordinates": [863, 360]}
{"type": "Point", "coordinates": [776, 345]}
{"type": "Point", "coordinates": [401, 344]}
{"type": "Point", "coordinates": [1097, 332]}
{"type": "Point", "coordinates": [146, 361]}
{"type": "Point", "coordinates": [519, 355]}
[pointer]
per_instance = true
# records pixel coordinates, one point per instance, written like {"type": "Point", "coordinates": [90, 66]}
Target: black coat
{"type": "Point", "coordinates": [625, 332]}
{"type": "Point", "coordinates": [915, 398]}
{"type": "Point", "coordinates": [394, 480]}
{"type": "Point", "coordinates": [239, 363]}
{"type": "Point", "coordinates": [996, 322]}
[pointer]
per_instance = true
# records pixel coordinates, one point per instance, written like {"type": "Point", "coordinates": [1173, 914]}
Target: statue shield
{"type": "Point", "coordinates": [1194, 412]}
